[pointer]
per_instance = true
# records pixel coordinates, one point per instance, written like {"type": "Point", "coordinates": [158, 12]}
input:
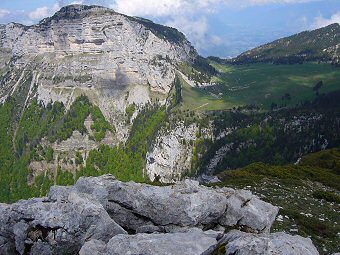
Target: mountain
{"type": "Point", "coordinates": [86, 78]}
{"type": "Point", "coordinates": [89, 94]}
{"type": "Point", "coordinates": [90, 91]}
{"type": "Point", "coordinates": [87, 49]}
{"type": "Point", "coordinates": [318, 45]}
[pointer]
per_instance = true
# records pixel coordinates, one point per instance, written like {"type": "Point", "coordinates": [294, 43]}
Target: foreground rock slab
{"type": "Point", "coordinates": [240, 243]}
{"type": "Point", "coordinates": [192, 242]}
{"type": "Point", "coordinates": [276, 243]}
{"type": "Point", "coordinates": [101, 215]}
{"type": "Point", "coordinates": [44, 226]}
{"type": "Point", "coordinates": [185, 204]}
{"type": "Point", "coordinates": [197, 242]}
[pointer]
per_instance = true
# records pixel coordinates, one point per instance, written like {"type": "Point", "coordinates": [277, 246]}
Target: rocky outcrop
{"type": "Point", "coordinates": [48, 226]}
{"type": "Point", "coordinates": [237, 242]}
{"type": "Point", "coordinates": [247, 211]}
{"type": "Point", "coordinates": [217, 158]}
{"type": "Point", "coordinates": [65, 152]}
{"type": "Point", "coordinates": [185, 204]}
{"type": "Point", "coordinates": [101, 215]}
{"type": "Point", "coordinates": [191, 242]}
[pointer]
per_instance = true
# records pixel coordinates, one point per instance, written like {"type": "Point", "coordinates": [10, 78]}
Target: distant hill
{"type": "Point", "coordinates": [318, 45]}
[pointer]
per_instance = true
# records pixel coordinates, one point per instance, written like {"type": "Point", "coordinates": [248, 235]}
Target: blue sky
{"type": "Point", "coordinates": [216, 27]}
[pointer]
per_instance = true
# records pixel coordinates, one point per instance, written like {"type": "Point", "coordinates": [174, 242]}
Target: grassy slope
{"type": "Point", "coordinates": [261, 84]}
{"type": "Point", "coordinates": [307, 194]}
{"type": "Point", "coordinates": [197, 99]}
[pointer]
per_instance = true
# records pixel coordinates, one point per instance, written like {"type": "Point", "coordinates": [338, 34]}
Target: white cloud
{"type": "Point", "coordinates": [56, 7]}
{"type": "Point", "coordinates": [153, 8]}
{"type": "Point", "coordinates": [216, 40]}
{"type": "Point", "coordinates": [195, 29]}
{"type": "Point", "coordinates": [157, 8]}
{"type": "Point", "coordinates": [277, 1]}
{"type": "Point", "coordinates": [4, 13]}
{"type": "Point", "coordinates": [43, 12]}
{"type": "Point", "coordinates": [39, 13]}
{"type": "Point", "coordinates": [77, 2]}
{"type": "Point", "coordinates": [189, 16]}
{"type": "Point", "coordinates": [322, 22]}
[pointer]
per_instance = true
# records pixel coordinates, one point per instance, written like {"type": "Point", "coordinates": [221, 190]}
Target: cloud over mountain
{"type": "Point", "coordinates": [321, 21]}
{"type": "Point", "coordinates": [218, 27]}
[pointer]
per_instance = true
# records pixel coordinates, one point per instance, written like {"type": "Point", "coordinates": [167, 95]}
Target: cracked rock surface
{"type": "Point", "coordinates": [192, 242]}
{"type": "Point", "coordinates": [101, 215]}
{"type": "Point", "coordinates": [46, 226]}
{"type": "Point", "coordinates": [240, 243]}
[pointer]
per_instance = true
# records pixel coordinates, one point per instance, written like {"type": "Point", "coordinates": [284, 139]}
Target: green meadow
{"type": "Point", "coordinates": [262, 85]}
{"type": "Point", "coordinates": [197, 99]}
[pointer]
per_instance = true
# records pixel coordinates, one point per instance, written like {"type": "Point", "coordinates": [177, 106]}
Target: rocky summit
{"type": "Point", "coordinates": [101, 215]}
{"type": "Point", "coordinates": [114, 59]}
{"type": "Point", "coordinates": [122, 64]}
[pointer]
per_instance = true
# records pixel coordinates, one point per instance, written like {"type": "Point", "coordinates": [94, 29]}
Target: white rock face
{"type": "Point", "coordinates": [122, 48]}
{"type": "Point", "coordinates": [113, 59]}
{"type": "Point", "coordinates": [172, 154]}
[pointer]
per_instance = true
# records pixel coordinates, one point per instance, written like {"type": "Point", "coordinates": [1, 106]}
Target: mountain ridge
{"type": "Point", "coordinates": [315, 45]}
{"type": "Point", "coordinates": [139, 50]}
{"type": "Point", "coordinates": [123, 66]}
{"type": "Point", "coordinates": [96, 83]}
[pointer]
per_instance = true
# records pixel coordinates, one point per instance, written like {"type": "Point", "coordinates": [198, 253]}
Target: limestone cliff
{"type": "Point", "coordinates": [171, 155]}
{"type": "Point", "coordinates": [114, 59]}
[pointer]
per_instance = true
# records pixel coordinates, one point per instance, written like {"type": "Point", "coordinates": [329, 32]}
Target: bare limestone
{"type": "Point", "coordinates": [192, 242]}
{"type": "Point", "coordinates": [171, 155]}
{"type": "Point", "coordinates": [113, 59]}
{"type": "Point", "coordinates": [101, 215]}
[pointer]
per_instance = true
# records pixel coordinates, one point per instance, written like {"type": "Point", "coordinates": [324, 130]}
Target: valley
{"type": "Point", "coordinates": [90, 92]}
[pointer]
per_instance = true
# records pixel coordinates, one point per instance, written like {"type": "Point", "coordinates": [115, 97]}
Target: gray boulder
{"type": "Point", "coordinates": [91, 216]}
{"type": "Point", "coordinates": [248, 212]}
{"type": "Point", "coordinates": [192, 242]}
{"type": "Point", "coordinates": [196, 241]}
{"type": "Point", "coordinates": [46, 226]}
{"type": "Point", "coordinates": [185, 204]}
{"type": "Point", "coordinates": [93, 247]}
{"type": "Point", "coordinates": [241, 243]}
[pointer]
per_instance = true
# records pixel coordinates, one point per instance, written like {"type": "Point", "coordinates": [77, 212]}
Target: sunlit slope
{"type": "Point", "coordinates": [262, 85]}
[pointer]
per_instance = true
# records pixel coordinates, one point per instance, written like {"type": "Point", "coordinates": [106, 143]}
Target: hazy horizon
{"type": "Point", "coordinates": [223, 28]}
